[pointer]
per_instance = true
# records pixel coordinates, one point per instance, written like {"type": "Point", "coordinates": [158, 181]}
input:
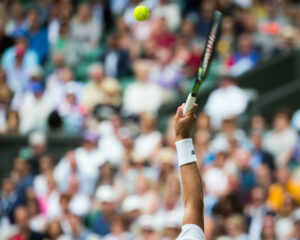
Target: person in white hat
{"type": "Point", "coordinates": [193, 219]}
{"type": "Point", "coordinates": [100, 220]}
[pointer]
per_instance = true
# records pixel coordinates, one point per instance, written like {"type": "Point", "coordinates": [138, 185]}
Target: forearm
{"type": "Point", "coordinates": [191, 183]}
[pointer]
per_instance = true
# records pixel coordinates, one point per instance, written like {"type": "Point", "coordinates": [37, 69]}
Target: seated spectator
{"type": "Point", "coordinates": [17, 23]}
{"type": "Point", "coordinates": [97, 90]}
{"type": "Point", "coordinates": [284, 222]}
{"type": "Point", "coordinates": [85, 30]}
{"type": "Point", "coordinates": [38, 145]}
{"type": "Point", "coordinates": [37, 36]}
{"type": "Point", "coordinates": [142, 96]}
{"type": "Point", "coordinates": [35, 109]}
{"type": "Point", "coordinates": [55, 231]}
{"type": "Point", "coordinates": [8, 200]}
{"type": "Point", "coordinates": [226, 101]}
{"type": "Point", "coordinates": [282, 139]}
{"type": "Point", "coordinates": [256, 212]}
{"type": "Point", "coordinates": [149, 196]}
{"type": "Point", "coordinates": [79, 202]}
{"type": "Point", "coordinates": [167, 73]}
{"type": "Point", "coordinates": [46, 167]}
{"type": "Point", "coordinates": [236, 228]}
{"type": "Point", "coordinates": [100, 221]}
{"type": "Point", "coordinates": [76, 162]}
{"type": "Point", "coordinates": [70, 110]}
{"type": "Point", "coordinates": [17, 62]}
{"type": "Point", "coordinates": [161, 34]}
{"type": "Point", "coordinates": [149, 141]}
{"type": "Point", "coordinates": [56, 85]}
{"type": "Point", "coordinates": [5, 40]}
{"type": "Point", "coordinates": [115, 59]}
{"type": "Point", "coordinates": [22, 178]}
{"type": "Point", "coordinates": [66, 45]}
{"type": "Point", "coordinates": [284, 183]}
{"type": "Point", "coordinates": [245, 58]}
{"type": "Point", "coordinates": [22, 221]}
{"type": "Point", "coordinates": [37, 221]}
{"type": "Point", "coordinates": [220, 185]}
{"type": "Point", "coordinates": [78, 229]}
{"type": "Point", "coordinates": [268, 228]}
{"type": "Point", "coordinates": [119, 229]}
{"type": "Point", "coordinates": [5, 98]}
{"type": "Point", "coordinates": [259, 155]}
{"type": "Point", "coordinates": [170, 11]}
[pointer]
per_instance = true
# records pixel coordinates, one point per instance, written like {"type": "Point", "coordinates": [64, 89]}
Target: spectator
{"type": "Point", "coordinates": [149, 141]}
{"type": "Point", "coordinates": [235, 227]}
{"type": "Point", "coordinates": [259, 155]}
{"type": "Point", "coordinates": [46, 167]}
{"type": "Point", "coordinates": [37, 222]}
{"type": "Point", "coordinates": [119, 229]}
{"type": "Point", "coordinates": [256, 212]}
{"type": "Point", "coordinates": [115, 59]}
{"type": "Point", "coordinates": [5, 40]}
{"type": "Point", "coordinates": [17, 24]}
{"type": "Point", "coordinates": [38, 147]}
{"type": "Point", "coordinates": [79, 202]}
{"type": "Point", "coordinates": [71, 112]}
{"type": "Point", "coordinates": [75, 162]}
{"type": "Point", "coordinates": [167, 74]}
{"type": "Point", "coordinates": [226, 101]}
{"type": "Point", "coordinates": [282, 139]}
{"type": "Point", "coordinates": [22, 221]}
{"type": "Point", "coordinates": [35, 109]}
{"type": "Point", "coordinates": [283, 184]}
{"type": "Point", "coordinates": [78, 229]}
{"type": "Point", "coordinates": [245, 57]}
{"type": "Point", "coordinates": [17, 62]}
{"type": "Point", "coordinates": [170, 11]}
{"type": "Point", "coordinates": [85, 30]}
{"type": "Point", "coordinates": [98, 91]}
{"type": "Point", "coordinates": [9, 200]}
{"type": "Point", "coordinates": [142, 96]}
{"type": "Point", "coordinates": [100, 221]}
{"type": "Point", "coordinates": [37, 36]}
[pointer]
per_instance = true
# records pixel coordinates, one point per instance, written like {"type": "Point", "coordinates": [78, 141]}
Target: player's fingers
{"type": "Point", "coordinates": [179, 111]}
{"type": "Point", "coordinates": [193, 110]}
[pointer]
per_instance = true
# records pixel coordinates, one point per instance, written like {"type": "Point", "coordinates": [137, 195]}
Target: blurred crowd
{"type": "Point", "coordinates": [87, 68]}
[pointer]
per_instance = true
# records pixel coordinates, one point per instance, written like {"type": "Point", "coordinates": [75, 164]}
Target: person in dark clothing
{"type": "Point", "coordinates": [8, 200]}
{"type": "Point", "coordinates": [38, 147]}
{"type": "Point", "coordinates": [5, 41]}
{"type": "Point", "coordinates": [259, 155]}
{"type": "Point", "coordinates": [22, 221]}
{"type": "Point", "coordinates": [115, 59]}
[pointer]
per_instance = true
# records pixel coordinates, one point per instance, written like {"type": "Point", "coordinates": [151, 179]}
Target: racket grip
{"type": "Point", "coordinates": [189, 104]}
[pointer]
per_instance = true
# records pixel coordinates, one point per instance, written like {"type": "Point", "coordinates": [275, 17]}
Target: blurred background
{"type": "Point", "coordinates": [87, 97]}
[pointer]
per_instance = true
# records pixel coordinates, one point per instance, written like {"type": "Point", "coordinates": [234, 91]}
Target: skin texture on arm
{"type": "Point", "coordinates": [190, 176]}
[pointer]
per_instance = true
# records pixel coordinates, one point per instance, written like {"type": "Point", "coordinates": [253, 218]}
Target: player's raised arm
{"type": "Point", "coordinates": [191, 180]}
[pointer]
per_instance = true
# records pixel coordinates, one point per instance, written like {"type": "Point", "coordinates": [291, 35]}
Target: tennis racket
{"type": "Point", "coordinates": [206, 60]}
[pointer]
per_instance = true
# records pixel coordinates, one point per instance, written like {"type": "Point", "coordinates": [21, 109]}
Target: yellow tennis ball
{"type": "Point", "coordinates": [141, 13]}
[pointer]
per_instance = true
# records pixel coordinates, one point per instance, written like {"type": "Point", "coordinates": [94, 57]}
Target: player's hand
{"type": "Point", "coordinates": [183, 123]}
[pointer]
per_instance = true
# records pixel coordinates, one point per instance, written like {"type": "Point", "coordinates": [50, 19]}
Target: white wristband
{"type": "Point", "coordinates": [186, 152]}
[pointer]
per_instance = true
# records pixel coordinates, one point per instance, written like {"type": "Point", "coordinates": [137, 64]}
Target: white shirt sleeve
{"type": "Point", "coordinates": [191, 232]}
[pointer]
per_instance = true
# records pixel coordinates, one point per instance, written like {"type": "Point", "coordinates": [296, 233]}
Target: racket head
{"type": "Point", "coordinates": [209, 50]}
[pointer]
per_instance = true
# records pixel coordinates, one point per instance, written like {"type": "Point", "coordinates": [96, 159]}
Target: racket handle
{"type": "Point", "coordinates": [189, 104]}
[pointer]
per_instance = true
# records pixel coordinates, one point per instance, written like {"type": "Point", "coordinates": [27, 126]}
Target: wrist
{"type": "Point", "coordinates": [185, 151]}
{"type": "Point", "coordinates": [181, 137]}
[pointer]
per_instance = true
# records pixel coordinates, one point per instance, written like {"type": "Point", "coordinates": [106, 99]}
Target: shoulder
{"type": "Point", "coordinates": [191, 232]}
